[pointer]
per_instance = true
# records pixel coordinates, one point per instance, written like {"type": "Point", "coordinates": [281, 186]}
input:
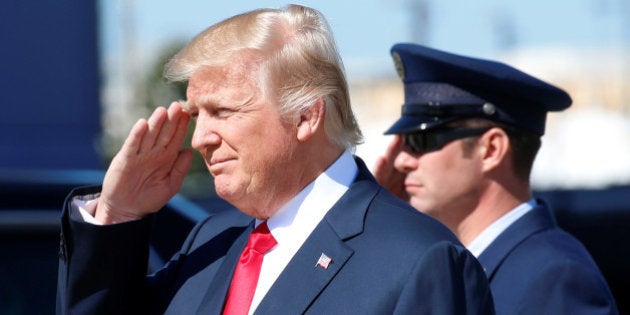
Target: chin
{"type": "Point", "coordinates": [425, 208]}
{"type": "Point", "coordinates": [418, 204]}
{"type": "Point", "coordinates": [225, 191]}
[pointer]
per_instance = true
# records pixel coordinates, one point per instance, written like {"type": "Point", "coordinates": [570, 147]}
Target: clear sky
{"type": "Point", "coordinates": [366, 29]}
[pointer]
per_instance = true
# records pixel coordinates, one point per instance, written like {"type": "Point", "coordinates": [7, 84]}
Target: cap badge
{"type": "Point", "coordinates": [398, 64]}
{"type": "Point", "coordinates": [489, 109]}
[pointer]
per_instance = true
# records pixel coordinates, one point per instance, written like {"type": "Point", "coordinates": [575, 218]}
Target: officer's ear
{"type": "Point", "coordinates": [494, 148]}
{"type": "Point", "coordinates": [311, 120]}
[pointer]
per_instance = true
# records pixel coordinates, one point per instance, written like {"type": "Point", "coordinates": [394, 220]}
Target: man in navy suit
{"type": "Point", "coordinates": [276, 130]}
{"type": "Point", "coordinates": [466, 142]}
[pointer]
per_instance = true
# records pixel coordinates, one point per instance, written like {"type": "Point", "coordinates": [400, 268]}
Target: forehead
{"type": "Point", "coordinates": [235, 79]}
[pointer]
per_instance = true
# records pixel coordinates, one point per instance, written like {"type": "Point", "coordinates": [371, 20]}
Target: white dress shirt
{"type": "Point", "coordinates": [483, 240]}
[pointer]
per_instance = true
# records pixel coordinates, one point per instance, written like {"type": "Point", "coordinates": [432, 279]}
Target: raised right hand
{"type": "Point", "coordinates": [149, 168]}
{"type": "Point", "coordinates": [387, 175]}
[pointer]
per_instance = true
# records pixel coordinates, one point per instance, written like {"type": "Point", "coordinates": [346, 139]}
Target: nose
{"type": "Point", "coordinates": [405, 162]}
{"type": "Point", "coordinates": [204, 135]}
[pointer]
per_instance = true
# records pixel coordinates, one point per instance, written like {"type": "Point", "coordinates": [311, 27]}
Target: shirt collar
{"type": "Point", "coordinates": [487, 236]}
{"type": "Point", "coordinates": [295, 221]}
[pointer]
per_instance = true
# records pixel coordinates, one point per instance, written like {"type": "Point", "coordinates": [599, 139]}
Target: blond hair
{"type": "Point", "coordinates": [299, 62]}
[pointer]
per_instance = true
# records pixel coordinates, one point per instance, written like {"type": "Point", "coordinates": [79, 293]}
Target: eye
{"type": "Point", "coordinates": [222, 112]}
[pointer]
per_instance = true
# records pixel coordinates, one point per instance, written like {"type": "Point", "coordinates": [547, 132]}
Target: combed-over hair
{"type": "Point", "coordinates": [299, 63]}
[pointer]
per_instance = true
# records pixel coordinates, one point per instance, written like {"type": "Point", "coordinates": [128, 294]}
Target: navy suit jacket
{"type": "Point", "coordinates": [387, 258]}
{"type": "Point", "coordinates": [534, 267]}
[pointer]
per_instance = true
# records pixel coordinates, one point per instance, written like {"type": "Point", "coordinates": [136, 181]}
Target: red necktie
{"type": "Point", "coordinates": [247, 271]}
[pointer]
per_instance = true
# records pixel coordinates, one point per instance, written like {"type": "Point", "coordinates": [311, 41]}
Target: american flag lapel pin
{"type": "Point", "coordinates": [323, 261]}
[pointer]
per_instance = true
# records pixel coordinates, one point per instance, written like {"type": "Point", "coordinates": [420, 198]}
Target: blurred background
{"type": "Point", "coordinates": [79, 73]}
{"type": "Point", "coordinates": [582, 46]}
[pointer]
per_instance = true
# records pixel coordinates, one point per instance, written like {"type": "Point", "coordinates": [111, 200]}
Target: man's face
{"type": "Point", "coordinates": [246, 145]}
{"type": "Point", "coordinates": [444, 182]}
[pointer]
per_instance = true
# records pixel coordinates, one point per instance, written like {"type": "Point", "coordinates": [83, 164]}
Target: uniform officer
{"type": "Point", "coordinates": [466, 141]}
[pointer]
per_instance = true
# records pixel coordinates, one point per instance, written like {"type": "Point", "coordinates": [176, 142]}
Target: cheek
{"type": "Point", "coordinates": [443, 175]}
{"type": "Point", "coordinates": [273, 157]}
{"type": "Point", "coordinates": [267, 150]}
{"type": "Point", "coordinates": [272, 152]}
{"type": "Point", "coordinates": [461, 182]}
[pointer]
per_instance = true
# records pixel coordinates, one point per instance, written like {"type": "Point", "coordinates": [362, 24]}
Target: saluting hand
{"type": "Point", "coordinates": [149, 168]}
{"type": "Point", "coordinates": [388, 176]}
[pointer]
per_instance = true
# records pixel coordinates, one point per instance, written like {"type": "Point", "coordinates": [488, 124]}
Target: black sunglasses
{"type": "Point", "coordinates": [433, 140]}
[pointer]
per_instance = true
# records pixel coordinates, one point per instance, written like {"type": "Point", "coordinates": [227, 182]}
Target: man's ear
{"type": "Point", "coordinates": [311, 120]}
{"type": "Point", "coordinates": [495, 148]}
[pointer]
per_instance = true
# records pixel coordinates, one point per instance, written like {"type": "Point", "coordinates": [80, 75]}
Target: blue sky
{"type": "Point", "coordinates": [365, 30]}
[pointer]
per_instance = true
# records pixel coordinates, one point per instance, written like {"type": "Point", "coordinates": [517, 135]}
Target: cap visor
{"type": "Point", "coordinates": [407, 124]}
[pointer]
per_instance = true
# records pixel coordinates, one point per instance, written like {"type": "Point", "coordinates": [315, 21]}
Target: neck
{"type": "Point", "coordinates": [494, 202]}
{"type": "Point", "coordinates": [310, 161]}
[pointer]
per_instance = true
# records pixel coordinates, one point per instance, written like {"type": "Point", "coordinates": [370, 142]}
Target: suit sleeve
{"type": "Point", "coordinates": [102, 268]}
{"type": "Point", "coordinates": [446, 280]}
{"type": "Point", "coordinates": [567, 287]}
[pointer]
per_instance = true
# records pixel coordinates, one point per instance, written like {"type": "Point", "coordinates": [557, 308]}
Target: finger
{"type": "Point", "coordinates": [169, 127]}
{"type": "Point", "coordinates": [132, 144]}
{"type": "Point", "coordinates": [393, 149]}
{"type": "Point", "coordinates": [395, 183]}
{"type": "Point", "coordinates": [380, 169]}
{"type": "Point", "coordinates": [155, 123]}
{"type": "Point", "coordinates": [385, 164]}
{"type": "Point", "coordinates": [179, 136]}
{"type": "Point", "coordinates": [180, 169]}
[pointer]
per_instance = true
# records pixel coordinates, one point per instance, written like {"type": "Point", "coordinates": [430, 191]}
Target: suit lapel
{"type": "Point", "coordinates": [303, 279]}
{"type": "Point", "coordinates": [219, 286]}
{"type": "Point", "coordinates": [539, 218]}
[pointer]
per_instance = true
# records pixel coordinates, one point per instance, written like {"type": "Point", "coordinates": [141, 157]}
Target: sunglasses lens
{"type": "Point", "coordinates": [413, 141]}
{"type": "Point", "coordinates": [427, 141]}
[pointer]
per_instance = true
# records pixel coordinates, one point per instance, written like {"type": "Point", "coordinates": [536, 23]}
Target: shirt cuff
{"type": "Point", "coordinates": [83, 208]}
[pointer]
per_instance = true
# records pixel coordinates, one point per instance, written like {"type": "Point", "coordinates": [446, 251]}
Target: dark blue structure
{"type": "Point", "coordinates": [50, 116]}
{"type": "Point", "coordinates": [49, 127]}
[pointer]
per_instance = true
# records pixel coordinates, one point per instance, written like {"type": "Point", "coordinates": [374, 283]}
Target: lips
{"type": "Point", "coordinates": [409, 186]}
{"type": "Point", "coordinates": [217, 164]}
{"type": "Point", "coordinates": [215, 161]}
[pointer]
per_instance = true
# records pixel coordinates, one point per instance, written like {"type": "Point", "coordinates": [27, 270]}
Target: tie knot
{"type": "Point", "coordinates": [261, 239]}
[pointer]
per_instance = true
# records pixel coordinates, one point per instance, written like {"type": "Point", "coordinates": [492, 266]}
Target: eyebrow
{"type": "Point", "coordinates": [243, 102]}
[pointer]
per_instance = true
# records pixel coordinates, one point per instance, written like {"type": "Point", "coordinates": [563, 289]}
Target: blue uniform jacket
{"type": "Point", "coordinates": [387, 258]}
{"type": "Point", "coordinates": [534, 267]}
